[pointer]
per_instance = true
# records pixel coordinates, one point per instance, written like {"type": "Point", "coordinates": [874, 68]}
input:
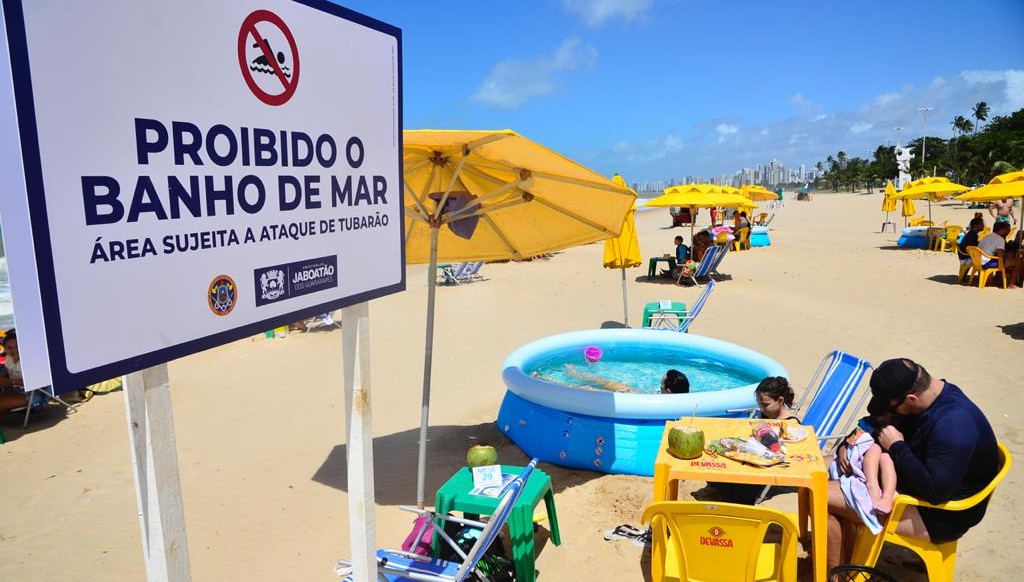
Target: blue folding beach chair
{"type": "Point", "coordinates": [704, 268]}
{"type": "Point", "coordinates": [396, 565]}
{"type": "Point", "coordinates": [828, 411]}
{"type": "Point", "coordinates": [713, 271]}
{"type": "Point", "coordinates": [840, 376]}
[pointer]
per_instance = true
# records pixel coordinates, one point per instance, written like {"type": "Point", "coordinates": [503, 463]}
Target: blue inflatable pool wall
{"type": "Point", "coordinates": [609, 431]}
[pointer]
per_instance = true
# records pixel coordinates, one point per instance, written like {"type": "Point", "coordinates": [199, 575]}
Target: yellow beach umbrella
{"type": "Point", "coordinates": [623, 251]}
{"type": "Point", "coordinates": [931, 188]}
{"type": "Point", "coordinates": [758, 193]}
{"type": "Point", "coordinates": [1003, 186]}
{"type": "Point", "coordinates": [493, 195]}
{"type": "Point", "coordinates": [907, 209]}
{"type": "Point", "coordinates": [889, 199]}
{"type": "Point", "coordinates": [698, 196]}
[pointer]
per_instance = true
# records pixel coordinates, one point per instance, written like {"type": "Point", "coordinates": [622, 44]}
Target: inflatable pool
{"type": "Point", "coordinates": [759, 236]}
{"type": "Point", "coordinates": [617, 432]}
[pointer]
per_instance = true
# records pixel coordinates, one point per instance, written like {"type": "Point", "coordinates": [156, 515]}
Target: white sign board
{"type": "Point", "coordinates": [201, 171]}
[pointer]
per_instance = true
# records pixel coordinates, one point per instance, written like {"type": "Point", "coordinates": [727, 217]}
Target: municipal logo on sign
{"type": "Point", "coordinates": [268, 57]}
{"type": "Point", "coordinates": [280, 282]}
{"type": "Point", "coordinates": [222, 295]}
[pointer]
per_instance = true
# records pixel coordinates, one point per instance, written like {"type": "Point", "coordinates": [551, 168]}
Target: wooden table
{"type": "Point", "coordinates": [806, 470]}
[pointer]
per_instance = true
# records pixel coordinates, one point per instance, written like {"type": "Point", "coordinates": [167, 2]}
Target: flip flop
{"type": "Point", "coordinates": [623, 532]}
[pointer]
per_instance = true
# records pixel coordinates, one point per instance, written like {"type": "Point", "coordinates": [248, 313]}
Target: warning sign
{"type": "Point", "coordinates": [268, 57]}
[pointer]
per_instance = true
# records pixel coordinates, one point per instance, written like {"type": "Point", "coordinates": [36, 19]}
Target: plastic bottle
{"type": "Point", "coordinates": [767, 437]}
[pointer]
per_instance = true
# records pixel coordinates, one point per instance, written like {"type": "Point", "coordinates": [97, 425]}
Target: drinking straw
{"type": "Point", "coordinates": [693, 414]}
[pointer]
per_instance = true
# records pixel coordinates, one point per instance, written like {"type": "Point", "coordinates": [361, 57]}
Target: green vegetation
{"type": "Point", "coordinates": [974, 155]}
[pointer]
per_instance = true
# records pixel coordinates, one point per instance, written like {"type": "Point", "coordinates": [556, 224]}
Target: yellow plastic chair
{"type": "Point", "coordinates": [947, 242]}
{"type": "Point", "coordinates": [760, 218]}
{"type": "Point", "coordinates": [719, 542]}
{"type": "Point", "coordinates": [939, 559]}
{"type": "Point", "coordinates": [742, 239]}
{"type": "Point", "coordinates": [722, 238]}
{"type": "Point", "coordinates": [978, 257]}
{"type": "Point", "coordinates": [984, 232]}
{"type": "Point", "coordinates": [964, 268]}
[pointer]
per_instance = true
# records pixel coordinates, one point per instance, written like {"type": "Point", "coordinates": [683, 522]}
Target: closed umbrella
{"type": "Point", "coordinates": [495, 195]}
{"type": "Point", "coordinates": [907, 210]}
{"type": "Point", "coordinates": [623, 251]}
{"type": "Point", "coordinates": [888, 204]}
{"type": "Point", "coordinates": [1003, 186]}
{"type": "Point", "coordinates": [931, 188]}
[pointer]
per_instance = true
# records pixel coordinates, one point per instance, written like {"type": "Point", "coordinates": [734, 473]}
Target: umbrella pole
{"type": "Point", "coordinates": [625, 303]}
{"type": "Point", "coordinates": [929, 209]}
{"type": "Point", "coordinates": [428, 358]}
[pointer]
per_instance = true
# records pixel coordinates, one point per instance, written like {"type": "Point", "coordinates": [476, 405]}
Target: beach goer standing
{"type": "Point", "coordinates": [944, 449]}
{"type": "Point", "coordinates": [1002, 210]}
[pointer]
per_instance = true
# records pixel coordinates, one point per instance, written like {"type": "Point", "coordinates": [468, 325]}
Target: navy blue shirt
{"type": "Point", "coordinates": [970, 239]}
{"type": "Point", "coordinates": [949, 453]}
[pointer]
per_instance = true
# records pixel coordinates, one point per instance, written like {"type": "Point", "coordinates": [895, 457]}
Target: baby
{"type": "Point", "coordinates": [871, 489]}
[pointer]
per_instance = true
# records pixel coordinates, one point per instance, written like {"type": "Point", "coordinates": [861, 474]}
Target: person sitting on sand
{"type": "Point", "coordinates": [12, 394]}
{"type": "Point", "coordinates": [870, 487]}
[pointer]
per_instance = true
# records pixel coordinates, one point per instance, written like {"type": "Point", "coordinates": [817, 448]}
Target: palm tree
{"type": "Point", "coordinates": [980, 113]}
{"type": "Point", "coordinates": [962, 124]}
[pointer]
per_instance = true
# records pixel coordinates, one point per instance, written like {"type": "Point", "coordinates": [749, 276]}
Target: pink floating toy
{"type": "Point", "coordinates": [592, 354]}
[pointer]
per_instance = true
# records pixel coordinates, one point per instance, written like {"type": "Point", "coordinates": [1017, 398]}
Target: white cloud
{"type": "Point", "coordinates": [724, 130]}
{"type": "Point", "coordinates": [861, 127]}
{"type": "Point", "coordinates": [886, 99]}
{"type": "Point", "coordinates": [765, 131]}
{"type": "Point", "coordinates": [938, 82]}
{"type": "Point", "coordinates": [597, 12]}
{"type": "Point", "coordinates": [819, 117]}
{"type": "Point", "coordinates": [1013, 86]}
{"type": "Point", "coordinates": [514, 81]}
{"type": "Point", "coordinates": [799, 100]}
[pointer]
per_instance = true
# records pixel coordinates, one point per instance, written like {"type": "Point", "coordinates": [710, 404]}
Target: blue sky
{"type": "Point", "coordinates": [660, 89]}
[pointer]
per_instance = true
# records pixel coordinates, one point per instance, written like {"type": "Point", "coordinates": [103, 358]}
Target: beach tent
{"type": "Point", "coordinates": [698, 196]}
{"type": "Point", "coordinates": [623, 251]}
{"type": "Point", "coordinates": [930, 188]}
{"type": "Point", "coordinates": [495, 195]}
{"type": "Point", "coordinates": [1010, 185]}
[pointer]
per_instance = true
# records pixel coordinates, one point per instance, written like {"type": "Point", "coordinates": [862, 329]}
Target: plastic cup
{"type": "Point", "coordinates": [592, 354]}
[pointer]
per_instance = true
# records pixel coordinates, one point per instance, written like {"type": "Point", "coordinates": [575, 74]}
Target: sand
{"type": "Point", "coordinates": [260, 423]}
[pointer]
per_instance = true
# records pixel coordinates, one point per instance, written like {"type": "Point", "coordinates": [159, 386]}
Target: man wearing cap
{"type": "Point", "coordinates": [943, 449]}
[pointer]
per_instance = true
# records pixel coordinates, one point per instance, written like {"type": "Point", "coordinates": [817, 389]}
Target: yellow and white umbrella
{"type": "Point", "coordinates": [623, 251]}
{"type": "Point", "coordinates": [1003, 186]}
{"type": "Point", "coordinates": [501, 196]}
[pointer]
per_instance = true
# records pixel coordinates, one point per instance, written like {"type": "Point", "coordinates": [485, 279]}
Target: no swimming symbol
{"type": "Point", "coordinates": [268, 57]}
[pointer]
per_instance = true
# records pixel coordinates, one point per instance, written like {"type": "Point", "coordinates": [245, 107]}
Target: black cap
{"type": "Point", "coordinates": [892, 379]}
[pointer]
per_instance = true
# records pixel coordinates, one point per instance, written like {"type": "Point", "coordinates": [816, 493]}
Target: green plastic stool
{"type": "Point", "coordinates": [654, 307]}
{"type": "Point", "coordinates": [454, 496]}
